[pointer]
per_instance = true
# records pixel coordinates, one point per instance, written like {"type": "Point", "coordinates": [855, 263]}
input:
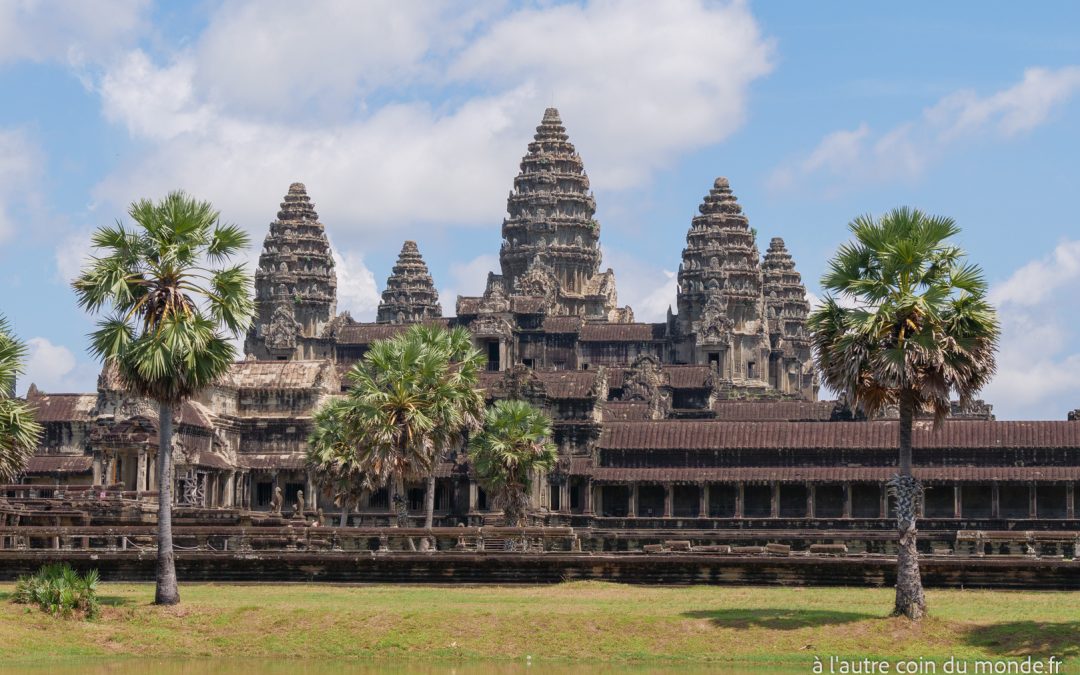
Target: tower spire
{"type": "Point", "coordinates": [410, 294]}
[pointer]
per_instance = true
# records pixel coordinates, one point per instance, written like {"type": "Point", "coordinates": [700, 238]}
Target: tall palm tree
{"type": "Point", "coordinates": [331, 458]}
{"type": "Point", "coordinates": [411, 398]}
{"type": "Point", "coordinates": [172, 302]}
{"type": "Point", "coordinates": [19, 431]}
{"type": "Point", "coordinates": [920, 330]}
{"type": "Point", "coordinates": [514, 444]}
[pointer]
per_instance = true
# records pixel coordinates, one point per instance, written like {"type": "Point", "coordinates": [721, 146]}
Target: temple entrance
{"type": "Point", "coordinates": [722, 500]}
{"type": "Point", "coordinates": [615, 501]}
{"type": "Point", "coordinates": [793, 499]}
{"type": "Point", "coordinates": [650, 501]}
{"type": "Point", "coordinates": [686, 501]}
{"type": "Point", "coordinates": [865, 501]}
{"type": "Point", "coordinates": [940, 502]}
{"type": "Point", "coordinates": [976, 501]}
{"type": "Point", "coordinates": [829, 501]}
{"type": "Point", "coordinates": [1014, 501]}
{"type": "Point", "coordinates": [757, 501]}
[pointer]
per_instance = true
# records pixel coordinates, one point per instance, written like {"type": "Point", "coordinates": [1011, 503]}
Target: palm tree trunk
{"type": "Point", "coordinates": [910, 599]}
{"type": "Point", "coordinates": [429, 510]}
{"type": "Point", "coordinates": [401, 505]}
{"type": "Point", "coordinates": [167, 592]}
{"type": "Point", "coordinates": [344, 512]}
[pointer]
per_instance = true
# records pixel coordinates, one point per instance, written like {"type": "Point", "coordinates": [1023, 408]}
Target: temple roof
{"type": "Point", "coordinates": [833, 474]}
{"type": "Point", "coordinates": [774, 435]}
{"type": "Point", "coordinates": [281, 374]}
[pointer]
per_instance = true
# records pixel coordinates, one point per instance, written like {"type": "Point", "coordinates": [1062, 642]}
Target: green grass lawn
{"type": "Point", "coordinates": [596, 622]}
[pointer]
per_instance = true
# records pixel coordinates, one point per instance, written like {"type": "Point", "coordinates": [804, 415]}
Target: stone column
{"type": "Point", "coordinates": [958, 498]}
{"type": "Point", "coordinates": [847, 500]}
{"type": "Point", "coordinates": [632, 511]}
{"type": "Point", "coordinates": [1070, 501]}
{"type": "Point", "coordinates": [564, 496]}
{"type": "Point", "coordinates": [995, 501]}
{"type": "Point", "coordinates": [230, 490]}
{"type": "Point", "coordinates": [774, 507]}
{"type": "Point", "coordinates": [140, 472]}
{"type": "Point", "coordinates": [474, 495]}
{"type": "Point", "coordinates": [810, 500]}
{"type": "Point", "coordinates": [1033, 505]}
{"type": "Point", "coordinates": [97, 469]}
{"type": "Point", "coordinates": [703, 500]}
{"type": "Point", "coordinates": [311, 501]}
{"type": "Point", "coordinates": [589, 498]}
{"type": "Point", "coordinates": [669, 497]}
{"type": "Point", "coordinates": [883, 511]}
{"type": "Point", "coordinates": [739, 495]}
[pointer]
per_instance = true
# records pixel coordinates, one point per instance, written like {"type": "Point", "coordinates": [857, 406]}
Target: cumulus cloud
{"type": "Point", "coordinates": [1038, 360]}
{"type": "Point", "coordinates": [649, 290]}
{"type": "Point", "coordinates": [356, 290]}
{"type": "Point", "coordinates": [903, 152]}
{"type": "Point", "coordinates": [54, 369]}
{"type": "Point", "coordinates": [21, 165]}
{"type": "Point", "coordinates": [72, 32]}
{"type": "Point", "coordinates": [467, 278]}
{"type": "Point", "coordinates": [440, 155]}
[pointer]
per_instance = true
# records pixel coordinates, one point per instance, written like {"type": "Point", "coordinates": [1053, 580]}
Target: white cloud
{"type": "Point", "coordinates": [249, 116]}
{"type": "Point", "coordinates": [904, 151]}
{"type": "Point", "coordinates": [468, 279]}
{"type": "Point", "coordinates": [72, 32]}
{"type": "Point", "coordinates": [1034, 282]}
{"type": "Point", "coordinates": [356, 290]}
{"type": "Point", "coordinates": [647, 289]}
{"type": "Point", "coordinates": [71, 255]}
{"type": "Point", "coordinates": [54, 369]}
{"type": "Point", "coordinates": [21, 165]}
{"type": "Point", "coordinates": [1038, 360]}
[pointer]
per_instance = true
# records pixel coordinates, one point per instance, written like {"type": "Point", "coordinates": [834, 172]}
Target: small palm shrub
{"type": "Point", "coordinates": [60, 590]}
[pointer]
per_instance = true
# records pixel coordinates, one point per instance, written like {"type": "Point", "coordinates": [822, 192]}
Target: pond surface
{"type": "Point", "coordinates": [137, 666]}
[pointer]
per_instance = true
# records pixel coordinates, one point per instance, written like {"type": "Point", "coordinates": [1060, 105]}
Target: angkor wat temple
{"type": "Point", "coordinates": [707, 420]}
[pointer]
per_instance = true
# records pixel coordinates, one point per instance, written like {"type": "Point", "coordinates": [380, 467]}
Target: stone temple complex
{"type": "Point", "coordinates": [706, 421]}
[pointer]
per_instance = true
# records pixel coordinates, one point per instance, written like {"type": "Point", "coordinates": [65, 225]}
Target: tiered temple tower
{"type": "Point", "coordinates": [720, 318]}
{"type": "Point", "coordinates": [410, 294]}
{"type": "Point", "coordinates": [786, 308]}
{"type": "Point", "coordinates": [295, 284]}
{"type": "Point", "coordinates": [550, 238]}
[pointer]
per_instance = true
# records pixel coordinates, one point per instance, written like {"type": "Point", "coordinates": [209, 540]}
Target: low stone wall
{"type": "Point", "coordinates": [544, 568]}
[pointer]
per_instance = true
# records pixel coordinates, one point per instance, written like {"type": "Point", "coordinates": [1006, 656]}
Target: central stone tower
{"type": "Point", "coordinates": [551, 238]}
{"type": "Point", "coordinates": [295, 284]}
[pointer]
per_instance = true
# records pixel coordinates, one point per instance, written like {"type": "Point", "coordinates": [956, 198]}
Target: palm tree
{"type": "Point", "coordinates": [412, 397]}
{"type": "Point", "coordinates": [172, 303]}
{"type": "Point", "coordinates": [331, 458]}
{"type": "Point", "coordinates": [19, 431]}
{"type": "Point", "coordinates": [506, 454]}
{"type": "Point", "coordinates": [920, 330]}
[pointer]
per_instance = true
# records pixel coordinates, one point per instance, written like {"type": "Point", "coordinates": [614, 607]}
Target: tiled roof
{"type": "Point", "coordinates": [196, 415]}
{"type": "Point", "coordinates": [714, 435]}
{"type": "Point", "coordinates": [791, 411]}
{"type": "Point", "coordinates": [366, 333]}
{"type": "Point", "coordinates": [468, 306]}
{"type": "Point", "coordinates": [49, 464]}
{"type": "Point", "coordinates": [64, 407]}
{"type": "Point", "coordinates": [688, 377]}
{"type": "Point", "coordinates": [576, 384]}
{"type": "Point", "coordinates": [278, 374]}
{"type": "Point", "coordinates": [288, 460]}
{"type": "Point", "coordinates": [520, 305]}
{"type": "Point", "coordinates": [876, 474]}
{"type": "Point", "coordinates": [562, 324]}
{"type": "Point", "coordinates": [625, 411]}
{"type": "Point", "coordinates": [621, 332]}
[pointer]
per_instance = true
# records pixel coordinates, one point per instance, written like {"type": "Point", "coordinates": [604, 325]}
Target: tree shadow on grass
{"type": "Point", "coordinates": [1028, 638]}
{"type": "Point", "coordinates": [778, 618]}
{"type": "Point", "coordinates": [115, 601]}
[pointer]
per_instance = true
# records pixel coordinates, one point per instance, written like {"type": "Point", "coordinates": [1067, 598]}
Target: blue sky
{"type": "Point", "coordinates": [407, 120]}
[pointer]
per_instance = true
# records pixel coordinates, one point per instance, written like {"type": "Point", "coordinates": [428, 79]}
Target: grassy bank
{"type": "Point", "coordinates": [575, 621]}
